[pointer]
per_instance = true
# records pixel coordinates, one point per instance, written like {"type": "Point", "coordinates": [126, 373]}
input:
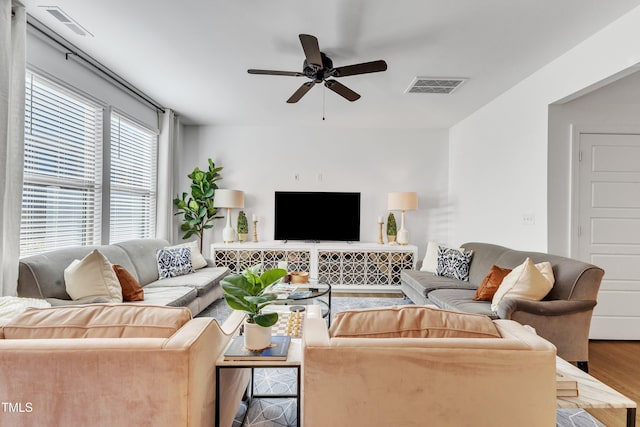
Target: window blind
{"type": "Point", "coordinates": [61, 201]}
{"type": "Point", "coordinates": [133, 180]}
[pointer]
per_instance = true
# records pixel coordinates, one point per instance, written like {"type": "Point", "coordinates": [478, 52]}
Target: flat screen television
{"type": "Point", "coordinates": [317, 216]}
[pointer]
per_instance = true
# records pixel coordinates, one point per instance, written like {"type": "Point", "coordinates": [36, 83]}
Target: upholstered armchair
{"type": "Point", "coordinates": [115, 365]}
{"type": "Point", "coordinates": [417, 366]}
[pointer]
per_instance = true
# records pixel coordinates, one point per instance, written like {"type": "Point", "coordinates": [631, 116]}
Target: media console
{"type": "Point", "coordinates": [350, 267]}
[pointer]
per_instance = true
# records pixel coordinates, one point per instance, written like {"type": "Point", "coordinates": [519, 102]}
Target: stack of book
{"type": "Point", "coordinates": [566, 386]}
{"type": "Point", "coordinates": [277, 351]}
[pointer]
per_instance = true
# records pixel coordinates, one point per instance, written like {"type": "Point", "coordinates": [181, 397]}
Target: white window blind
{"type": "Point", "coordinates": [61, 201]}
{"type": "Point", "coordinates": [133, 180]}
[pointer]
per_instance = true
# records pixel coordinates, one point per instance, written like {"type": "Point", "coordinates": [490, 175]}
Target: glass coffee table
{"type": "Point", "coordinates": [314, 291]}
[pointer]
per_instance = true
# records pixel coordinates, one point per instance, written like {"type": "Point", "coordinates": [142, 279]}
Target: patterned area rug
{"type": "Point", "coordinates": [282, 412]}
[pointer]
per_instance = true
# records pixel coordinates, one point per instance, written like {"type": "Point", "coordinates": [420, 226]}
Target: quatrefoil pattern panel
{"type": "Point", "coordinates": [335, 267]}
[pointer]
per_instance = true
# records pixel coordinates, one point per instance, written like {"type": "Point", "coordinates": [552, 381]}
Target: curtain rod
{"type": "Point", "coordinates": [71, 51]}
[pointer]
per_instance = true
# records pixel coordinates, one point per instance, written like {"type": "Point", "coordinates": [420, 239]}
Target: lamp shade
{"type": "Point", "coordinates": [402, 201]}
{"type": "Point", "coordinates": [228, 199]}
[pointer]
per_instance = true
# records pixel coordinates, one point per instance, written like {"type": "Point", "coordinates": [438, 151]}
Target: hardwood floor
{"type": "Point", "coordinates": [617, 364]}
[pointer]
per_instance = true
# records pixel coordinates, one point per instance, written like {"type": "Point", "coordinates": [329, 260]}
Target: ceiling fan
{"type": "Point", "coordinates": [319, 68]}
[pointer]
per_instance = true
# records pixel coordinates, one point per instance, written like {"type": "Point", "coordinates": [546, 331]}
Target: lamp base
{"type": "Point", "coordinates": [228, 235]}
{"type": "Point", "coordinates": [403, 237]}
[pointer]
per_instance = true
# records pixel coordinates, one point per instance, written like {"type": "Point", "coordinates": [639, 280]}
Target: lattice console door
{"type": "Point", "coordinates": [349, 266]}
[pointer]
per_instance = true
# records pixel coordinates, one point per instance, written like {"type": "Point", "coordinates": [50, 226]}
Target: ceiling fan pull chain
{"type": "Point", "coordinates": [324, 91]}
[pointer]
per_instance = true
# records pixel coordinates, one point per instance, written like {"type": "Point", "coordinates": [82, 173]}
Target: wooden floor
{"type": "Point", "coordinates": [617, 364]}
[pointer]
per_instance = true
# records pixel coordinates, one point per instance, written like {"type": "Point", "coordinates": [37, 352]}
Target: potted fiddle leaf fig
{"type": "Point", "coordinates": [243, 227]}
{"type": "Point", "coordinates": [197, 208]}
{"type": "Point", "coordinates": [392, 231]}
{"type": "Point", "coordinates": [246, 292]}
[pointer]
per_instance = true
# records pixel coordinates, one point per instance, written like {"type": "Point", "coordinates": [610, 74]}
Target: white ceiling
{"type": "Point", "coordinates": [192, 55]}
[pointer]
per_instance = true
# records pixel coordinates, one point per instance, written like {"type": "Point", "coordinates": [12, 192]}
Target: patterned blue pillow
{"type": "Point", "coordinates": [453, 263]}
{"type": "Point", "coordinates": [174, 262]}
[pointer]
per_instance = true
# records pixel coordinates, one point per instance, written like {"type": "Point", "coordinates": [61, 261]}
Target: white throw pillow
{"type": "Point", "coordinates": [527, 281]}
{"type": "Point", "coordinates": [197, 260]}
{"type": "Point", "coordinates": [93, 276]}
{"type": "Point", "coordinates": [430, 261]}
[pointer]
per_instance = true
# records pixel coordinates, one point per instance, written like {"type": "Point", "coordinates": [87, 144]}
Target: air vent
{"type": "Point", "coordinates": [434, 85]}
{"type": "Point", "coordinates": [68, 21]}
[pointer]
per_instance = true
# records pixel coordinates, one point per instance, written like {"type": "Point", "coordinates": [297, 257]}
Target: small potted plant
{"type": "Point", "coordinates": [392, 231]}
{"type": "Point", "coordinates": [246, 292]}
{"type": "Point", "coordinates": [243, 227]}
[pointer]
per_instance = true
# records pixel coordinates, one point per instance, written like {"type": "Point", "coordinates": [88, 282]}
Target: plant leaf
{"type": "Point", "coordinates": [255, 270]}
{"type": "Point", "coordinates": [267, 319]}
{"type": "Point", "coordinates": [272, 276]}
{"type": "Point", "coordinates": [237, 303]}
{"type": "Point", "coordinates": [261, 299]}
{"type": "Point", "coordinates": [236, 284]}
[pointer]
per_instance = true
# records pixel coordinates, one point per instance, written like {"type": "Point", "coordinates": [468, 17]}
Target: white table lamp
{"type": "Point", "coordinates": [228, 199]}
{"type": "Point", "coordinates": [402, 201]}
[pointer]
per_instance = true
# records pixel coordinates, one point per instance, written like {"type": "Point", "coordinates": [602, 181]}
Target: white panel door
{"type": "Point", "coordinates": [609, 229]}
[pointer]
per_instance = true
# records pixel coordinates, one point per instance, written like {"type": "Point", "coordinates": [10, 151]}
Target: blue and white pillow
{"type": "Point", "coordinates": [453, 263]}
{"type": "Point", "coordinates": [174, 262]}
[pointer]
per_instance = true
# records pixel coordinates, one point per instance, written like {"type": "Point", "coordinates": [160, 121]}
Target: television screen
{"type": "Point", "coordinates": [317, 216]}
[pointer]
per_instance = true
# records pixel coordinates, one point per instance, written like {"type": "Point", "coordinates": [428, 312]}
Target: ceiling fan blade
{"type": "Point", "coordinates": [302, 90]}
{"type": "Point", "coordinates": [276, 73]}
{"type": "Point", "coordinates": [311, 49]}
{"type": "Point", "coordinates": [342, 90]}
{"type": "Point", "coordinates": [364, 68]}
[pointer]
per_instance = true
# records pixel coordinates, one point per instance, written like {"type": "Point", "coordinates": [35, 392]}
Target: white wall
{"type": "Point", "coordinates": [498, 158]}
{"type": "Point", "coordinates": [613, 108]}
{"type": "Point", "coordinates": [50, 61]}
{"type": "Point", "coordinates": [261, 160]}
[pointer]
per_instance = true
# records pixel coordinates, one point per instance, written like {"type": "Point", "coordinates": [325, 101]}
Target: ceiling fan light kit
{"type": "Point", "coordinates": [318, 67]}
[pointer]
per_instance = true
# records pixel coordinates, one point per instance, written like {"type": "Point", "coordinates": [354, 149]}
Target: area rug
{"type": "Point", "coordinates": [265, 412]}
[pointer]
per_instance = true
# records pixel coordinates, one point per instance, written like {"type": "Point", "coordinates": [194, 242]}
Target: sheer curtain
{"type": "Point", "coordinates": [167, 167]}
{"type": "Point", "coordinates": [12, 68]}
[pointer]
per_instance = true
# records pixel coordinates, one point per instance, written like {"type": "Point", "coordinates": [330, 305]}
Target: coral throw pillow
{"type": "Point", "coordinates": [131, 289]}
{"type": "Point", "coordinates": [490, 283]}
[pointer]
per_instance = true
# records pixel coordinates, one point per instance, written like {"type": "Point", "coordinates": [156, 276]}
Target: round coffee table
{"type": "Point", "coordinates": [309, 292]}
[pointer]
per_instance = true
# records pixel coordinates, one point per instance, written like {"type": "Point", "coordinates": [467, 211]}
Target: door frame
{"type": "Point", "coordinates": [574, 173]}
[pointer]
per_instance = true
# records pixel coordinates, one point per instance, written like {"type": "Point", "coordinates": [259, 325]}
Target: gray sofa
{"type": "Point", "coordinates": [562, 317]}
{"type": "Point", "coordinates": [42, 276]}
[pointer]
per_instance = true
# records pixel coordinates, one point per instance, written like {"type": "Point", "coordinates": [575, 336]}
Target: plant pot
{"type": "Point", "coordinates": [391, 239]}
{"type": "Point", "coordinates": [256, 337]}
{"type": "Point", "coordinates": [242, 237]}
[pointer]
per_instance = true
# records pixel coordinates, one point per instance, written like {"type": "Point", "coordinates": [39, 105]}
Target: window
{"type": "Point", "coordinates": [61, 200]}
{"type": "Point", "coordinates": [133, 180]}
{"type": "Point", "coordinates": [64, 201]}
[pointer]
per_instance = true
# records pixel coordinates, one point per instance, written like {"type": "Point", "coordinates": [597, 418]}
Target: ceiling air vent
{"type": "Point", "coordinates": [434, 85]}
{"type": "Point", "coordinates": [69, 22]}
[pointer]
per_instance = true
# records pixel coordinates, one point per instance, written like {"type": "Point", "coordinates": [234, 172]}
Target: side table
{"type": "Point", "coordinates": [593, 393]}
{"type": "Point", "coordinates": [294, 360]}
